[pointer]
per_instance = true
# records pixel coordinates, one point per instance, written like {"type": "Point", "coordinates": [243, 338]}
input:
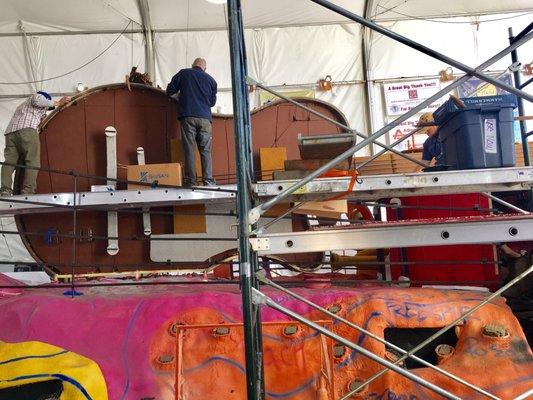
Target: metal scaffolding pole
{"type": "Point", "coordinates": [247, 257]}
{"type": "Point", "coordinates": [521, 111]}
{"type": "Point", "coordinates": [259, 210]}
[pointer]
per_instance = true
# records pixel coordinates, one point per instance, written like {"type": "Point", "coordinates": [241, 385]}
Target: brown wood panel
{"type": "Point", "coordinates": [65, 145]}
{"type": "Point", "coordinates": [97, 118]}
{"type": "Point", "coordinates": [73, 138]}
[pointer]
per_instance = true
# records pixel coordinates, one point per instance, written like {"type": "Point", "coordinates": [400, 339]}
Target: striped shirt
{"type": "Point", "coordinates": [30, 113]}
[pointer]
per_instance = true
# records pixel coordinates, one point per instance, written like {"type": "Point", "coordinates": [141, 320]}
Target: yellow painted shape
{"type": "Point", "coordinates": [29, 362]}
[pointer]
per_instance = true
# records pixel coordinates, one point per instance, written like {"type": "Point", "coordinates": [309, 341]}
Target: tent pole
{"type": "Point", "coordinates": [148, 38]}
{"type": "Point", "coordinates": [366, 36]}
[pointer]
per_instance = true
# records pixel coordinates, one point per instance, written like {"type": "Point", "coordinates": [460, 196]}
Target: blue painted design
{"type": "Point", "coordinates": [33, 357]}
{"type": "Point", "coordinates": [389, 395]}
{"type": "Point", "coordinates": [125, 348]}
{"type": "Point", "coordinates": [293, 392]}
{"type": "Point", "coordinates": [362, 337]}
{"type": "Point", "coordinates": [212, 360]}
{"type": "Point", "coordinates": [242, 369]}
{"type": "Point", "coordinates": [406, 299]}
{"type": "Point", "coordinates": [63, 378]}
{"type": "Point", "coordinates": [72, 293]}
{"type": "Point", "coordinates": [49, 236]}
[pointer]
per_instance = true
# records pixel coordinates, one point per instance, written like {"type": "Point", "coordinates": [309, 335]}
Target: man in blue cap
{"type": "Point", "coordinates": [22, 141]}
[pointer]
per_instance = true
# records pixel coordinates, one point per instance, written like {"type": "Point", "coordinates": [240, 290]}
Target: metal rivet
{"type": "Point", "coordinates": [221, 331]}
{"type": "Point", "coordinates": [513, 231]}
{"type": "Point", "coordinates": [173, 328]}
{"type": "Point", "coordinates": [290, 330]}
{"type": "Point", "coordinates": [445, 234]}
{"type": "Point", "coordinates": [338, 350]}
{"type": "Point", "coordinates": [165, 359]}
{"type": "Point", "coordinates": [355, 386]}
{"type": "Point", "coordinates": [334, 308]}
{"type": "Point", "coordinates": [444, 350]}
{"type": "Point", "coordinates": [435, 179]}
{"type": "Point", "coordinates": [290, 243]}
{"type": "Point", "coordinates": [388, 181]}
{"type": "Point", "coordinates": [495, 330]}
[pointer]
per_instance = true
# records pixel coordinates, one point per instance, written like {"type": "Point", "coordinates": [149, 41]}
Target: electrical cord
{"type": "Point", "coordinates": [76, 69]}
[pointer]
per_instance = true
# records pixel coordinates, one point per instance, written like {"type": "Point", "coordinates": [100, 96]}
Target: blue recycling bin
{"type": "Point", "coordinates": [480, 135]}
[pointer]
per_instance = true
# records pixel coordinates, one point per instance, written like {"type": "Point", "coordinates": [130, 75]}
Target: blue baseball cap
{"type": "Point", "coordinates": [45, 95]}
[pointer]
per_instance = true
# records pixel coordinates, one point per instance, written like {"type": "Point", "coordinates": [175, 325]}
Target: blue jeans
{"type": "Point", "coordinates": [196, 132]}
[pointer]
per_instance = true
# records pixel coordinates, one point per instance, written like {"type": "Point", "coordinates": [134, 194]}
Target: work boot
{"type": "Point", "coordinates": [209, 182]}
{"type": "Point", "coordinates": [4, 192]}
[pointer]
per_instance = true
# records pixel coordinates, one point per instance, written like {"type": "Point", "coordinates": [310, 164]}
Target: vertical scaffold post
{"type": "Point", "coordinates": [521, 112]}
{"type": "Point", "coordinates": [517, 83]}
{"type": "Point", "coordinates": [247, 257]}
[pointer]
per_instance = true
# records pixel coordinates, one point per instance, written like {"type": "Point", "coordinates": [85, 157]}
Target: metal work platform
{"type": "Point", "coordinates": [366, 188]}
{"type": "Point", "coordinates": [484, 229]}
{"type": "Point", "coordinates": [118, 199]}
{"type": "Point", "coordinates": [402, 185]}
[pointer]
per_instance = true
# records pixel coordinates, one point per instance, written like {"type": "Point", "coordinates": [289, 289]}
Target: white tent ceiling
{"type": "Point", "coordinates": [97, 15]}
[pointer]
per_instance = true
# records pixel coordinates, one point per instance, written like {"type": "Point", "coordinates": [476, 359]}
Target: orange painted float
{"type": "Point", "coordinates": [179, 342]}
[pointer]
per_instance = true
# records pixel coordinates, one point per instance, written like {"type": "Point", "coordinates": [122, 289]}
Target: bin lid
{"type": "Point", "coordinates": [449, 108]}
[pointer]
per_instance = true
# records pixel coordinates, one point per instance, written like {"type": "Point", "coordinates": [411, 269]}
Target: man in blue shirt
{"type": "Point", "coordinates": [432, 148]}
{"type": "Point", "coordinates": [197, 93]}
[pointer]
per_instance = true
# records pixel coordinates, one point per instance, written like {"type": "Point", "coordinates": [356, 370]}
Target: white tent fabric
{"type": "Point", "coordinates": [96, 15]}
{"type": "Point", "coordinates": [290, 45]}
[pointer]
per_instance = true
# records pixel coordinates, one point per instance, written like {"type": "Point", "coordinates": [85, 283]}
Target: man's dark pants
{"type": "Point", "coordinates": [196, 132]}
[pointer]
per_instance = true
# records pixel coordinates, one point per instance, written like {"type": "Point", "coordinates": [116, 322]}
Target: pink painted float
{"type": "Point", "coordinates": [175, 341]}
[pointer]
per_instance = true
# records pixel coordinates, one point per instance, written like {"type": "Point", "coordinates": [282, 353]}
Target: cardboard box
{"type": "Point", "coordinates": [193, 223]}
{"type": "Point", "coordinates": [272, 159]}
{"type": "Point", "coordinates": [177, 156]}
{"type": "Point", "coordinates": [190, 218]}
{"type": "Point", "coordinates": [327, 209]}
{"type": "Point", "coordinates": [276, 210]}
{"type": "Point", "coordinates": [164, 174]}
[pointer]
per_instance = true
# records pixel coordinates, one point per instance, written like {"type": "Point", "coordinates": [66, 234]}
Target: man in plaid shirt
{"type": "Point", "coordinates": [22, 141]}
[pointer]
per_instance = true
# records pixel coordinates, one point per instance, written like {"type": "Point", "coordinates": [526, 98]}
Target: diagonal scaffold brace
{"type": "Point", "coordinates": [256, 212]}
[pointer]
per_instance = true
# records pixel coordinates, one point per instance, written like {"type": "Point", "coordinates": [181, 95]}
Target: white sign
{"type": "Point", "coordinates": [401, 97]}
{"type": "Point", "coordinates": [490, 136]}
{"type": "Point", "coordinates": [416, 141]}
